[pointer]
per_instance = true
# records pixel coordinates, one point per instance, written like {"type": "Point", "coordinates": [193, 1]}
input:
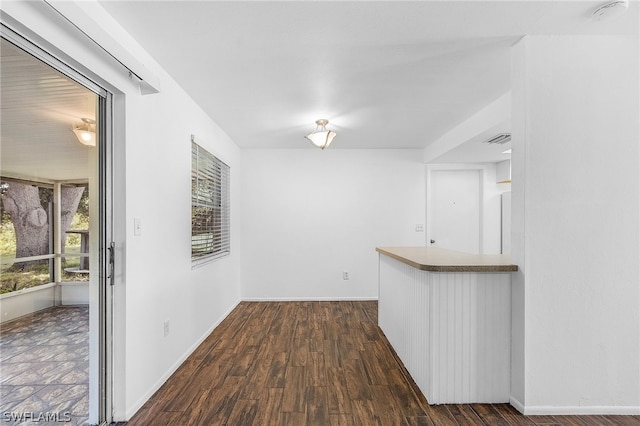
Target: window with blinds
{"type": "Point", "coordinates": [210, 219]}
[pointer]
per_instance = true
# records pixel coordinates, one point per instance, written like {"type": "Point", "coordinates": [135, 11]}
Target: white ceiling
{"type": "Point", "coordinates": [38, 110]}
{"type": "Point", "coordinates": [387, 74]}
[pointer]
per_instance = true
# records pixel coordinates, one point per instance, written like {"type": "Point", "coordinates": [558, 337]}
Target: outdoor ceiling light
{"type": "Point", "coordinates": [86, 132]}
{"type": "Point", "coordinates": [321, 137]}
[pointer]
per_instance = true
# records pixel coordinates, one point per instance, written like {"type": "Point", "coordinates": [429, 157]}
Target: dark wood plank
{"type": "Point", "coordinates": [316, 370]}
{"type": "Point", "coordinates": [221, 402]}
{"type": "Point", "coordinates": [375, 369]}
{"type": "Point", "coordinates": [544, 420]}
{"type": "Point", "coordinates": [153, 415]}
{"type": "Point", "coordinates": [365, 414]}
{"type": "Point", "coordinates": [419, 421]}
{"type": "Point", "coordinates": [242, 361]}
{"type": "Point", "coordinates": [277, 370]}
{"type": "Point", "coordinates": [257, 378]}
{"type": "Point", "coordinates": [300, 352]}
{"type": "Point", "coordinates": [290, 419]}
{"type": "Point", "coordinates": [196, 413]}
{"type": "Point", "coordinates": [243, 413]}
{"type": "Point", "coordinates": [489, 414]}
{"type": "Point", "coordinates": [270, 406]}
{"type": "Point", "coordinates": [314, 363]}
{"type": "Point", "coordinates": [294, 385]}
{"type": "Point", "coordinates": [357, 381]}
{"type": "Point", "coordinates": [317, 407]}
{"type": "Point", "coordinates": [341, 420]}
{"type": "Point", "coordinates": [464, 415]}
{"type": "Point", "coordinates": [593, 420]}
{"type": "Point", "coordinates": [513, 416]}
{"type": "Point", "coordinates": [388, 408]}
{"type": "Point", "coordinates": [161, 419]}
{"type": "Point", "coordinates": [440, 415]}
{"type": "Point", "coordinates": [338, 392]}
{"type": "Point", "coordinates": [331, 354]}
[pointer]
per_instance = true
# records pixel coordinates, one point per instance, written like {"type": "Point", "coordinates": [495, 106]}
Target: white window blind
{"type": "Point", "coordinates": [210, 218]}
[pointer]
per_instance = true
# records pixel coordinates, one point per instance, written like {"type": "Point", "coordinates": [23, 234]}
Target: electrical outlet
{"type": "Point", "coordinates": [345, 275]}
{"type": "Point", "coordinates": [419, 227]}
{"type": "Point", "coordinates": [166, 328]}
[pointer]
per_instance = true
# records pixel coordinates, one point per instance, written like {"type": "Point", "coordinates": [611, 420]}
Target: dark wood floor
{"type": "Point", "coordinates": [312, 363]}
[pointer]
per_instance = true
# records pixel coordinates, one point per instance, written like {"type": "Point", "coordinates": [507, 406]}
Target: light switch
{"type": "Point", "coordinates": [137, 226]}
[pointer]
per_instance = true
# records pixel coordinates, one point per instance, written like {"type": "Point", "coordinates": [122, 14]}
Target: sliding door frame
{"type": "Point", "coordinates": [101, 393]}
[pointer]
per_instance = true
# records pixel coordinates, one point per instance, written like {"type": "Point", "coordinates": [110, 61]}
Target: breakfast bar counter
{"type": "Point", "coordinates": [441, 260]}
{"type": "Point", "coordinates": [447, 314]}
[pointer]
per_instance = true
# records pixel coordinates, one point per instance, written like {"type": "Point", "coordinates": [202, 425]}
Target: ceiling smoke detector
{"type": "Point", "coordinates": [610, 10]}
{"type": "Point", "coordinates": [499, 139]}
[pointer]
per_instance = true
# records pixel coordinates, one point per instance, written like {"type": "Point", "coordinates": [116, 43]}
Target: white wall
{"type": "Point", "coordinates": [576, 195]}
{"type": "Point", "coordinates": [308, 215]}
{"type": "Point", "coordinates": [160, 284]}
{"type": "Point", "coordinates": [152, 169]}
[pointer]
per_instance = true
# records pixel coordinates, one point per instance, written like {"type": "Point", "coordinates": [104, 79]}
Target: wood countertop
{"type": "Point", "coordinates": [441, 260]}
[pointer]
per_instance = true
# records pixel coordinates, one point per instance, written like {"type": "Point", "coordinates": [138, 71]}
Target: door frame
{"type": "Point", "coordinates": [100, 394]}
{"type": "Point", "coordinates": [430, 169]}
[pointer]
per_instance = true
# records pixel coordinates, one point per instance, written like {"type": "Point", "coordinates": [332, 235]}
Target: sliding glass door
{"type": "Point", "coordinates": [56, 235]}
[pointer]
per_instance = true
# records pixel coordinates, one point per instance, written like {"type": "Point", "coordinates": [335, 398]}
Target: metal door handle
{"type": "Point", "coordinates": [112, 261]}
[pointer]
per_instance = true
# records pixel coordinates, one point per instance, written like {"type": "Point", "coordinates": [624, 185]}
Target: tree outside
{"type": "Point", "coordinates": [26, 230]}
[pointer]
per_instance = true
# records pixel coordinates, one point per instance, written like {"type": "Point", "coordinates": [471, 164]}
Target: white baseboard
{"type": "Point", "coordinates": [142, 400]}
{"type": "Point", "coordinates": [550, 410]}
{"type": "Point", "coordinates": [308, 299]}
{"type": "Point", "coordinates": [517, 405]}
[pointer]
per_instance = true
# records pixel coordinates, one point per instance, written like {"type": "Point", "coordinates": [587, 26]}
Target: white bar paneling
{"type": "Point", "coordinates": [450, 329]}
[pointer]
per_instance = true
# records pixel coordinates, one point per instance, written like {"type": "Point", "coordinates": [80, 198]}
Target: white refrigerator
{"type": "Point", "coordinates": [505, 229]}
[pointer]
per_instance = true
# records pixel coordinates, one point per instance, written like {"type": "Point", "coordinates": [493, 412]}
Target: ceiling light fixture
{"type": "Point", "coordinates": [611, 10]}
{"type": "Point", "coordinates": [321, 137]}
{"type": "Point", "coordinates": [86, 132]}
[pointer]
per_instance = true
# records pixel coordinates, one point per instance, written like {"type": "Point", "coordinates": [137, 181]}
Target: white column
{"type": "Point", "coordinates": [57, 240]}
{"type": "Point", "coordinates": [575, 229]}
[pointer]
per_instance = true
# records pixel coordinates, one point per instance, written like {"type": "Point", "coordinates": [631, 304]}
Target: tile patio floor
{"type": "Point", "coordinates": [44, 366]}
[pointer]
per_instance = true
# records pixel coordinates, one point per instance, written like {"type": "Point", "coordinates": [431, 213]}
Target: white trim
{"type": "Point", "coordinates": [607, 410]}
{"type": "Point", "coordinates": [516, 404]}
{"type": "Point", "coordinates": [133, 408]}
{"type": "Point", "coordinates": [27, 290]}
{"type": "Point", "coordinates": [89, 18]}
{"type": "Point", "coordinates": [43, 54]}
{"type": "Point", "coordinates": [28, 258]}
{"type": "Point", "coordinates": [309, 299]}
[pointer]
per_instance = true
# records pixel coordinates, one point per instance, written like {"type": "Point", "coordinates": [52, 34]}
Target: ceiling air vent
{"type": "Point", "coordinates": [499, 139]}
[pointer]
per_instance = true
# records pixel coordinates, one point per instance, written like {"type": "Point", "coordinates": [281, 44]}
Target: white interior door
{"type": "Point", "coordinates": [454, 210]}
